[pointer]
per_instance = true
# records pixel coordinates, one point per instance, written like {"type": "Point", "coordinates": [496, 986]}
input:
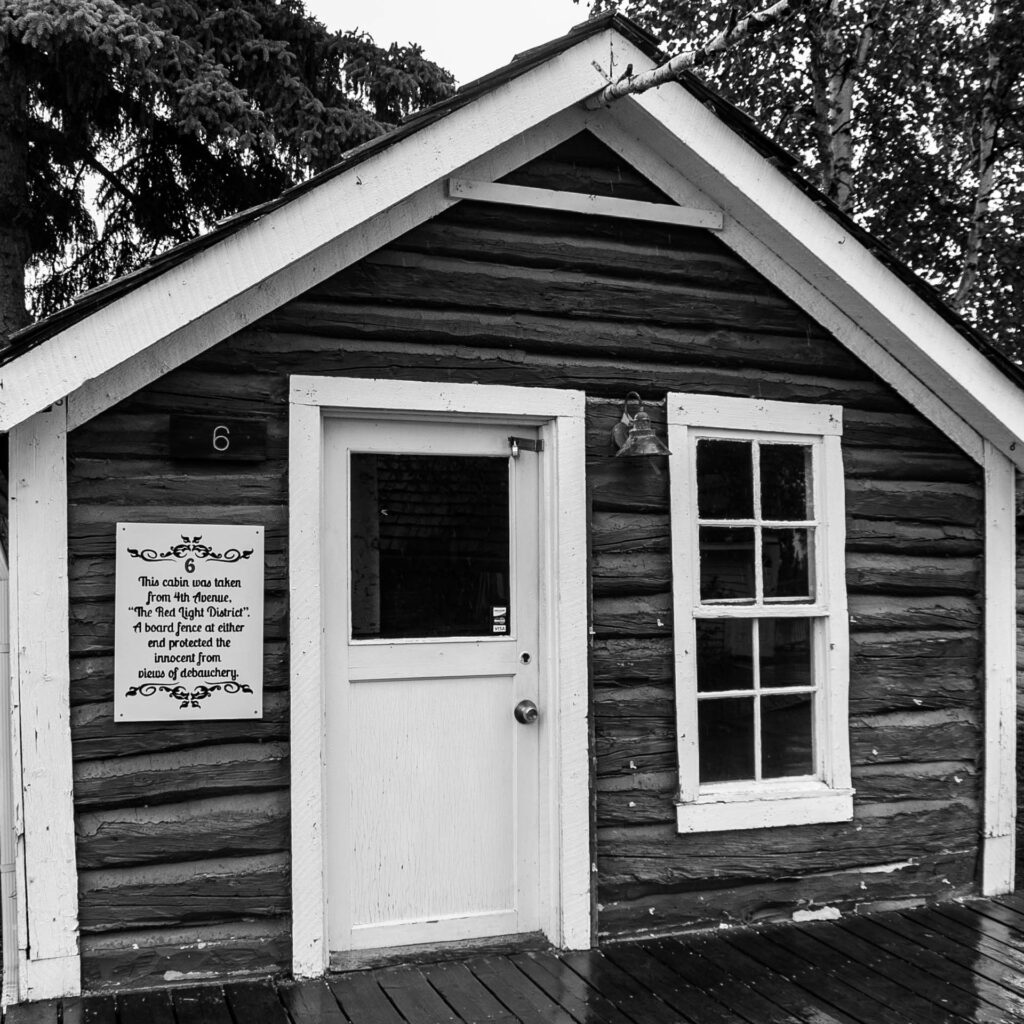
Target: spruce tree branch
{"type": "Point", "coordinates": [734, 32]}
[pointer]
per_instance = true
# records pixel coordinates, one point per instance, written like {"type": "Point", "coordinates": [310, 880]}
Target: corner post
{"type": "Point", "coordinates": [1000, 802]}
{"type": "Point", "coordinates": [49, 963]}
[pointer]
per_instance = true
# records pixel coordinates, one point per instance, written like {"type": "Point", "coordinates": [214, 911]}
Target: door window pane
{"type": "Point", "coordinates": [430, 546]}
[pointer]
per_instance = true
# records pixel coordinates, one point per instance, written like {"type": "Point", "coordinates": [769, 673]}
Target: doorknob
{"type": "Point", "coordinates": [526, 712]}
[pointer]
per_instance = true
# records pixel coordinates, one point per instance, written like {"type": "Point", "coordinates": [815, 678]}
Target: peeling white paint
{"type": "Point", "coordinates": [190, 975]}
{"type": "Point", "coordinates": [888, 869]}
{"type": "Point", "coordinates": [824, 914]}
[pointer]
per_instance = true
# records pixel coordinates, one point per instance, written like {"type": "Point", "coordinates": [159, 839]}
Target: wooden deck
{"type": "Point", "coordinates": [951, 963]}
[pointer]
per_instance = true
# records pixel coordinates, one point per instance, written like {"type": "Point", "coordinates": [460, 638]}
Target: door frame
{"type": "Point", "coordinates": [564, 775]}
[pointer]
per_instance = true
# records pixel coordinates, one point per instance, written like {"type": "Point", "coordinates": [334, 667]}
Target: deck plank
{"type": "Point", "coordinates": [363, 1000]}
{"type": "Point", "coordinates": [934, 998]}
{"type": "Point", "coordinates": [152, 1007]}
{"type": "Point", "coordinates": [413, 996]}
{"type": "Point", "coordinates": [691, 1002]}
{"type": "Point", "coordinates": [311, 1002]}
{"type": "Point", "coordinates": [569, 990]}
{"type": "Point", "coordinates": [255, 1001]}
{"type": "Point", "coordinates": [44, 1012]}
{"type": "Point", "coordinates": [89, 1010]}
{"type": "Point", "coordinates": [699, 972]}
{"type": "Point", "coordinates": [467, 996]}
{"type": "Point", "coordinates": [770, 985]}
{"type": "Point", "coordinates": [899, 1003]}
{"type": "Point", "coordinates": [976, 931]}
{"type": "Point", "coordinates": [957, 956]}
{"type": "Point", "coordinates": [943, 958]}
{"type": "Point", "coordinates": [201, 1005]}
{"type": "Point", "coordinates": [621, 988]}
{"type": "Point", "coordinates": [830, 988]}
{"type": "Point", "coordinates": [529, 1004]}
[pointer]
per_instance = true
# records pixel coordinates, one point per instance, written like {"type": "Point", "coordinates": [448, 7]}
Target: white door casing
{"type": "Point", "coordinates": [432, 828]}
{"type": "Point", "coordinates": [563, 859]}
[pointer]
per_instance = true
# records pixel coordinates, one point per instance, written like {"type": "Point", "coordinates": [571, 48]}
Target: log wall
{"type": "Point", "coordinates": [183, 828]}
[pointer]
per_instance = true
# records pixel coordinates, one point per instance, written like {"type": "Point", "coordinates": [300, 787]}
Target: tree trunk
{"type": "Point", "coordinates": [14, 242]}
{"type": "Point", "coordinates": [986, 165]}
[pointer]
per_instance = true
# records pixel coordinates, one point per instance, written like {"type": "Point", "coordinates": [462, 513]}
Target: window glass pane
{"type": "Point", "coordinates": [725, 480]}
{"type": "Point", "coordinates": [724, 655]}
{"type": "Point", "coordinates": [785, 652]}
{"type": "Point", "coordinates": [726, 563]}
{"type": "Point", "coordinates": [430, 546]}
{"type": "Point", "coordinates": [726, 739]}
{"type": "Point", "coordinates": [786, 736]}
{"type": "Point", "coordinates": [786, 481]}
{"type": "Point", "coordinates": [786, 563]}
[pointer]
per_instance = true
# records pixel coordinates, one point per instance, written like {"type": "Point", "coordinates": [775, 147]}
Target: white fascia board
{"type": "Point", "coordinates": [720, 163]}
{"type": "Point", "coordinates": [225, 283]}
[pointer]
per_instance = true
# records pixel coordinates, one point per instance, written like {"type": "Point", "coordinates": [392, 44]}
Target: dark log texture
{"type": "Point", "coordinates": [183, 956]}
{"type": "Point", "coordinates": [183, 827]}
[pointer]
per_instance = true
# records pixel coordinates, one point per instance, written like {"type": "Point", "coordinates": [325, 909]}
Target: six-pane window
{"type": "Point", "coordinates": [760, 611]}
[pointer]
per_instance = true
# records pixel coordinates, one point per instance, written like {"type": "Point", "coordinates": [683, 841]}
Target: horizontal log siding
{"type": "Point", "coordinates": [183, 827]}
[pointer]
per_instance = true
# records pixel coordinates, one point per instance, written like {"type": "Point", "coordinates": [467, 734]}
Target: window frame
{"type": "Point", "coordinates": [827, 795]}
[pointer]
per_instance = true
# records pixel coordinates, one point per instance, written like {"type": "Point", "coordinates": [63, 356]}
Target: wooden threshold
{"type": "Point", "coordinates": [433, 952]}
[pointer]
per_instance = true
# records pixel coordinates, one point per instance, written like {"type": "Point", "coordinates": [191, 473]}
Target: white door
{"type": "Point", "coordinates": [431, 631]}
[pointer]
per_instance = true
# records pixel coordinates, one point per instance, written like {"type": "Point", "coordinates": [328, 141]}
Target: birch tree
{"type": "Point", "coordinates": [908, 114]}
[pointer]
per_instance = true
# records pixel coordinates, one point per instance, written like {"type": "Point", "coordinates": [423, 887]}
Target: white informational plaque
{"type": "Point", "coordinates": [188, 622]}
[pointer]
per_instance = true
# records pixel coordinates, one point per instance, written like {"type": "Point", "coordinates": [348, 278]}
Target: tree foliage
{"type": "Point", "coordinates": [907, 113]}
{"type": "Point", "coordinates": [129, 125]}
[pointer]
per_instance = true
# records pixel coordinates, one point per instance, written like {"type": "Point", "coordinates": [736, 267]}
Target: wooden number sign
{"type": "Point", "coordinates": [220, 438]}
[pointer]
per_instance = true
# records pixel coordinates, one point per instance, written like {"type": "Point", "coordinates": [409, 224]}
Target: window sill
{"type": "Point", "coordinates": [770, 807]}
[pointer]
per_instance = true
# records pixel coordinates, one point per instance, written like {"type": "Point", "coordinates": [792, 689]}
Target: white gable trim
{"type": "Point", "coordinates": [221, 289]}
{"type": "Point", "coordinates": [581, 202]}
{"type": "Point", "coordinates": [193, 339]}
{"type": "Point", "coordinates": [689, 136]}
{"type": "Point", "coordinates": [624, 140]}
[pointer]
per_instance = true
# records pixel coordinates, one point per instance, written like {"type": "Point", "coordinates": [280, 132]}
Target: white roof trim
{"type": "Point", "coordinates": [242, 264]}
{"type": "Point", "coordinates": [108, 355]}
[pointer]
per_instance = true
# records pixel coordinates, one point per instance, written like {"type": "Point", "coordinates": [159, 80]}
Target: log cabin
{"type": "Point", "coordinates": [347, 624]}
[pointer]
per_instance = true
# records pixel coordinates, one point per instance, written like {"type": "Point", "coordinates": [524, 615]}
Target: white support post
{"type": "Point", "coordinates": [48, 958]}
{"type": "Point", "coordinates": [999, 835]}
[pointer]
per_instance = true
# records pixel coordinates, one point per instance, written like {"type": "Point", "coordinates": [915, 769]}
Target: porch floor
{"type": "Point", "coordinates": [950, 963]}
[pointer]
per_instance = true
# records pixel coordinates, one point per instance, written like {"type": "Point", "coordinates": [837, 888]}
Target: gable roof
{"type": "Point", "coordinates": [567, 70]}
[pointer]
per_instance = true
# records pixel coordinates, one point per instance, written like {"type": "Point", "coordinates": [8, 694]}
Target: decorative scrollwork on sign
{"type": "Point", "coordinates": [190, 548]}
{"type": "Point", "coordinates": [189, 698]}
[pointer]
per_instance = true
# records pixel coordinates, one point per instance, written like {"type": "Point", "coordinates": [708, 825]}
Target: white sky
{"type": "Point", "coordinates": [468, 37]}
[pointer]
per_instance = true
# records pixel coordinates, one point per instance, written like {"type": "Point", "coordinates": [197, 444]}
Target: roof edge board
{"type": "Point", "coordinates": [176, 348]}
{"type": "Point", "coordinates": [241, 262]}
{"type": "Point", "coordinates": [750, 189]}
{"type": "Point", "coordinates": [643, 154]}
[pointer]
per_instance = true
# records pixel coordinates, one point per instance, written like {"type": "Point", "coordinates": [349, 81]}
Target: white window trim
{"type": "Point", "coordinates": [828, 796]}
{"type": "Point", "coordinates": [560, 418]}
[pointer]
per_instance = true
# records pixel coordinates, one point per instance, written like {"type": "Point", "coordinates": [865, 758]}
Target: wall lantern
{"type": "Point", "coordinates": [633, 434]}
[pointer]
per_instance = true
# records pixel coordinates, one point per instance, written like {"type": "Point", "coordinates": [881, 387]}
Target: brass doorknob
{"type": "Point", "coordinates": [526, 712]}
